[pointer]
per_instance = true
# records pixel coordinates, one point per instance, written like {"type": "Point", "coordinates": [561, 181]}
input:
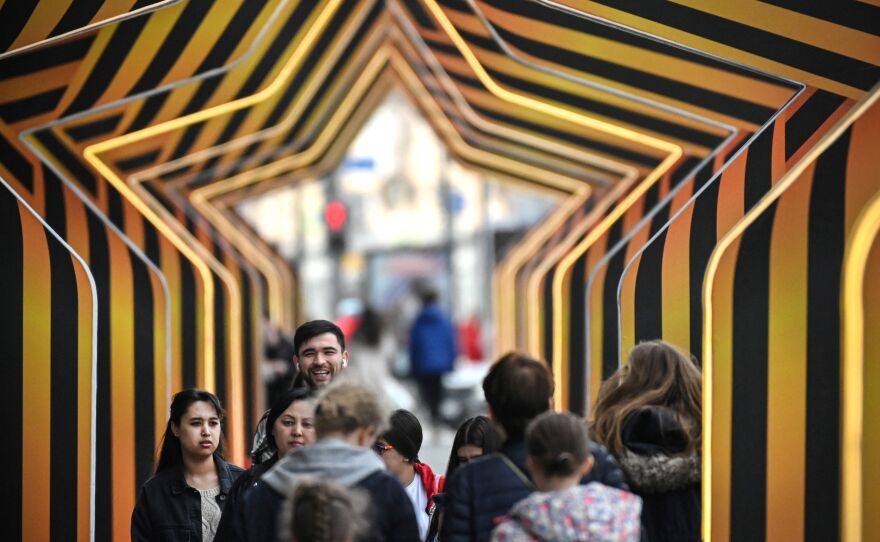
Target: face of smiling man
{"type": "Point", "coordinates": [320, 359]}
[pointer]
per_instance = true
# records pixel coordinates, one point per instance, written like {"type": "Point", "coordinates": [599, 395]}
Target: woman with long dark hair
{"type": "Point", "coordinates": [291, 425]}
{"type": "Point", "coordinates": [184, 499]}
{"type": "Point", "coordinates": [649, 415]}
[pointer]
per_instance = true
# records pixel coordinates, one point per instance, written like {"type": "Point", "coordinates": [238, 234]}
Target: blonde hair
{"type": "Point", "coordinates": [345, 408]}
{"type": "Point", "coordinates": [323, 511]}
{"type": "Point", "coordinates": [657, 374]}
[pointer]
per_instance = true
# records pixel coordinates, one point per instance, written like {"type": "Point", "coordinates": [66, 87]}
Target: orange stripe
{"type": "Point", "coordinates": [36, 381]}
{"type": "Point", "coordinates": [787, 364]}
{"type": "Point", "coordinates": [122, 382]}
{"type": "Point", "coordinates": [871, 435]}
{"type": "Point", "coordinates": [84, 401]}
{"type": "Point", "coordinates": [676, 277]}
{"type": "Point", "coordinates": [160, 371]}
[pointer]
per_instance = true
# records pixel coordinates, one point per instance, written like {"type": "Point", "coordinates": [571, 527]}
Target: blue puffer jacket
{"type": "Point", "coordinates": [483, 491]}
{"type": "Point", "coordinates": [432, 343]}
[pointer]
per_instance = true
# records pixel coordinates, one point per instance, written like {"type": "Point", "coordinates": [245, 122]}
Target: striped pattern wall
{"type": "Point", "coordinates": [48, 344]}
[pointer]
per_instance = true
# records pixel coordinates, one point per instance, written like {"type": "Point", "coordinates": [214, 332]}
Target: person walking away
{"type": "Point", "coordinates": [399, 448]}
{"type": "Point", "coordinates": [518, 389]}
{"type": "Point", "coordinates": [292, 421]}
{"type": "Point", "coordinates": [649, 414]}
{"type": "Point", "coordinates": [347, 419]}
{"type": "Point", "coordinates": [562, 510]}
{"type": "Point", "coordinates": [432, 350]}
{"type": "Point", "coordinates": [322, 511]}
{"type": "Point", "coordinates": [185, 497]}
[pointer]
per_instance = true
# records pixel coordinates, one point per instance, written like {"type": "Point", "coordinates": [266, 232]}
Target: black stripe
{"type": "Point", "coordinates": [787, 51]}
{"type": "Point", "coordinates": [12, 346]}
{"type": "Point", "coordinates": [99, 265]}
{"type": "Point", "coordinates": [94, 128]}
{"type": "Point", "coordinates": [33, 105]}
{"type": "Point", "coordinates": [610, 309]}
{"type": "Point", "coordinates": [649, 292]}
{"type": "Point", "coordinates": [666, 86]}
{"type": "Point", "coordinates": [232, 36]}
{"type": "Point", "coordinates": [176, 172]}
{"type": "Point", "coordinates": [64, 441]}
{"type": "Point", "coordinates": [856, 15]}
{"type": "Point", "coordinates": [418, 13]}
{"type": "Point", "coordinates": [138, 161]}
{"type": "Point", "coordinates": [577, 362]}
{"type": "Point", "coordinates": [808, 119]}
{"type": "Point", "coordinates": [76, 168]}
{"type": "Point", "coordinates": [148, 111]}
{"type": "Point", "coordinates": [13, 18]}
{"type": "Point", "coordinates": [187, 140]}
{"type": "Point", "coordinates": [151, 243]}
{"type": "Point", "coordinates": [114, 208]}
{"type": "Point", "coordinates": [56, 213]}
{"type": "Point", "coordinates": [702, 241]}
{"type": "Point", "coordinates": [42, 58]}
{"type": "Point", "coordinates": [103, 74]}
{"type": "Point", "coordinates": [16, 163]}
{"type": "Point", "coordinates": [144, 382]}
{"type": "Point", "coordinates": [175, 42]}
{"type": "Point", "coordinates": [748, 463]}
{"type": "Point", "coordinates": [556, 17]}
{"type": "Point", "coordinates": [827, 239]}
{"type": "Point", "coordinates": [188, 322]}
{"type": "Point", "coordinates": [294, 23]}
{"type": "Point", "coordinates": [759, 168]}
{"type": "Point", "coordinates": [251, 409]}
{"type": "Point", "coordinates": [79, 14]}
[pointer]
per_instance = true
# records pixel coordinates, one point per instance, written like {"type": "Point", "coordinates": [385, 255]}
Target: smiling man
{"type": "Point", "coordinates": [320, 357]}
{"type": "Point", "coordinates": [320, 353]}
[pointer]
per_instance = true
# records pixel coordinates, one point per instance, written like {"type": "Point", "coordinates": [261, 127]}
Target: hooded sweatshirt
{"type": "Point", "coordinates": [590, 513]}
{"type": "Point", "coordinates": [391, 514]}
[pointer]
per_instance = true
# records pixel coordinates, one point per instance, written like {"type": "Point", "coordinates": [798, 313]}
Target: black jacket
{"type": "Point", "coordinates": [168, 509]}
{"type": "Point", "coordinates": [484, 490]}
{"type": "Point", "coordinates": [391, 514]}
{"type": "Point", "coordinates": [667, 479]}
{"type": "Point", "coordinates": [235, 499]}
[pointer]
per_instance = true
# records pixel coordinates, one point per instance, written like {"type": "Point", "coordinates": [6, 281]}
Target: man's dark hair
{"type": "Point", "coordinates": [313, 329]}
{"type": "Point", "coordinates": [517, 388]}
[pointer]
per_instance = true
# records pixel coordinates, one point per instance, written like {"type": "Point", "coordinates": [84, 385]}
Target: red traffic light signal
{"type": "Point", "coordinates": [335, 215]}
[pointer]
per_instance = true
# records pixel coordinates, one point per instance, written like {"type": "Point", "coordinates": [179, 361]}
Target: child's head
{"type": "Point", "coordinates": [323, 511]}
{"type": "Point", "coordinates": [558, 450]}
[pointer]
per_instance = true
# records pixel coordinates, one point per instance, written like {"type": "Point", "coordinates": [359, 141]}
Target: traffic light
{"type": "Point", "coordinates": [335, 218]}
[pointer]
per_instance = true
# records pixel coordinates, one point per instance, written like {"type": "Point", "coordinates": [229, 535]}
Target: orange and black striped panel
{"type": "Point", "coordinates": [47, 335]}
{"type": "Point", "coordinates": [774, 403]}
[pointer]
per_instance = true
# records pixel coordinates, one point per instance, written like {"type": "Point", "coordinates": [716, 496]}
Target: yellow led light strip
{"type": "Point", "coordinates": [674, 152]}
{"type": "Point", "coordinates": [850, 518]}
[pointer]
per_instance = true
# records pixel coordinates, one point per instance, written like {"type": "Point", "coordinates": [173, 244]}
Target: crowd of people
{"type": "Point", "coordinates": [330, 463]}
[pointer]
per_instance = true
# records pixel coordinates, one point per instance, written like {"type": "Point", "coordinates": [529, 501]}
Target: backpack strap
{"type": "Point", "coordinates": [516, 470]}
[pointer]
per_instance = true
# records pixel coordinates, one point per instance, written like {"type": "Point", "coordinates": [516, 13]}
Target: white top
{"type": "Point", "coordinates": [210, 513]}
{"type": "Point", "coordinates": [416, 492]}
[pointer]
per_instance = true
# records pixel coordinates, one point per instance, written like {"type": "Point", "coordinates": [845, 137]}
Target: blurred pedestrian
{"type": "Point", "coordinates": [432, 350]}
{"type": "Point", "coordinates": [649, 414]}
{"type": "Point", "coordinates": [517, 389]}
{"type": "Point", "coordinates": [323, 511]}
{"type": "Point", "coordinates": [185, 497]}
{"type": "Point", "coordinates": [291, 420]}
{"type": "Point", "coordinates": [347, 420]}
{"type": "Point", "coordinates": [562, 510]}
{"type": "Point", "coordinates": [399, 448]}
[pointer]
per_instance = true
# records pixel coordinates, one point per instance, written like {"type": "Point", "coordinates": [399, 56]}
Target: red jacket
{"type": "Point", "coordinates": [430, 482]}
